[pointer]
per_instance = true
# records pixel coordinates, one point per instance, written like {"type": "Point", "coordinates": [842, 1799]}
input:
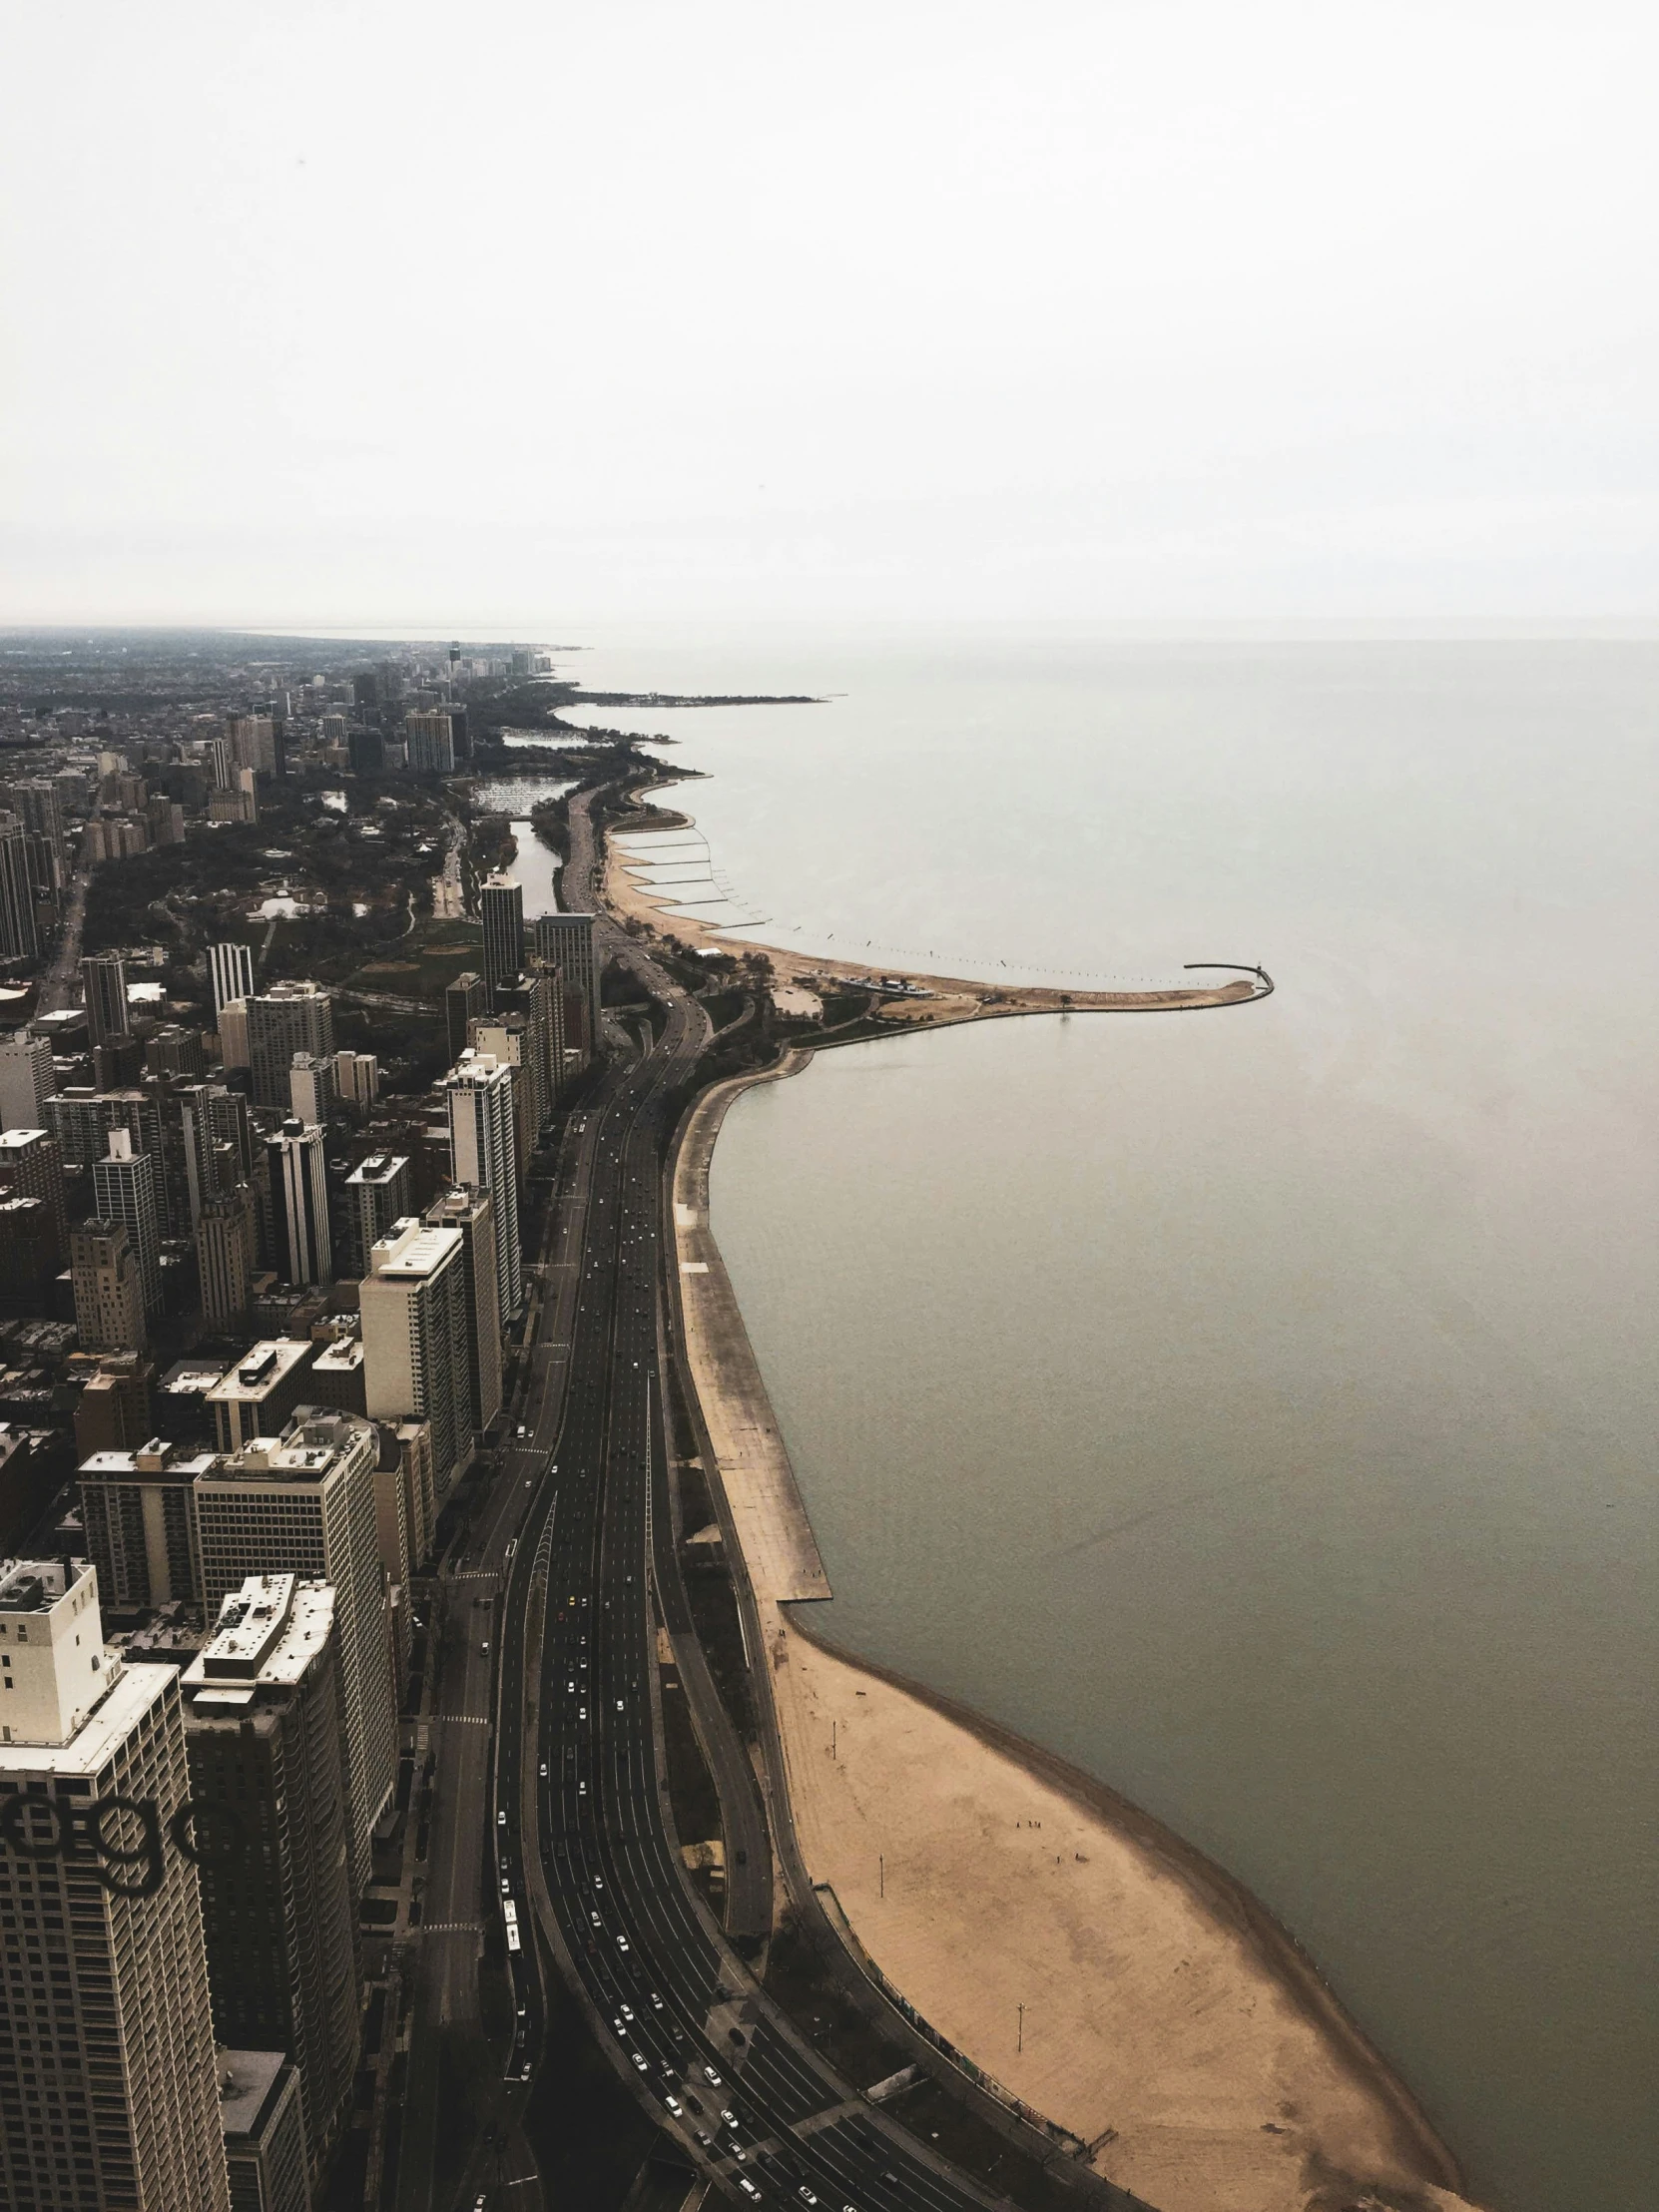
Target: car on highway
{"type": "Point", "coordinates": [544, 1769]}
{"type": "Point", "coordinates": [501, 1820]}
{"type": "Point", "coordinates": [806, 2195]}
{"type": "Point", "coordinates": [483, 1647]}
{"type": "Point", "coordinates": [709, 2075]}
{"type": "Point", "coordinates": [727, 2116]}
{"type": "Point", "coordinates": [675, 2107]}
{"type": "Point", "coordinates": [642, 2064]}
{"type": "Point", "coordinates": [621, 1943]}
{"type": "Point", "coordinates": [627, 2012]}
{"type": "Point", "coordinates": [655, 2002]}
{"type": "Point", "coordinates": [747, 2187]}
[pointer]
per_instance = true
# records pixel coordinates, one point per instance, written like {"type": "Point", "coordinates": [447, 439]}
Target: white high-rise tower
{"type": "Point", "coordinates": [481, 1142]}
{"type": "Point", "coordinates": [107, 2094]}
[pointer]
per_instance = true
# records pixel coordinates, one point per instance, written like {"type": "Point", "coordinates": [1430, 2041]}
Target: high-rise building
{"type": "Point", "coordinates": [472, 1211]}
{"type": "Point", "coordinates": [173, 1051]}
{"type": "Point", "coordinates": [264, 2130]}
{"type": "Point", "coordinates": [501, 903]}
{"type": "Point", "coordinates": [365, 752]}
{"type": "Point", "coordinates": [311, 1089]}
{"type": "Point", "coordinates": [113, 1412]}
{"type": "Point", "coordinates": [480, 1098]}
{"type": "Point", "coordinates": [565, 941]}
{"type": "Point", "coordinates": [117, 1063]}
{"type": "Point", "coordinates": [257, 1396]}
{"type": "Point", "coordinates": [124, 1190]}
{"type": "Point", "coordinates": [31, 1257]}
{"type": "Point", "coordinates": [406, 1453]}
{"type": "Point", "coordinates": [378, 1191]}
{"type": "Point", "coordinates": [109, 1310]}
{"type": "Point", "coordinates": [357, 1081]}
{"type": "Point", "coordinates": [30, 1166]}
{"type": "Point", "coordinates": [254, 744]}
{"type": "Point", "coordinates": [26, 1080]}
{"type": "Point", "coordinates": [431, 740]}
{"type": "Point", "coordinates": [234, 1051]}
{"type": "Point", "coordinates": [224, 1251]}
{"type": "Point", "coordinates": [534, 1001]}
{"type": "Point", "coordinates": [104, 983]}
{"type": "Point", "coordinates": [465, 1001]}
{"type": "Point", "coordinates": [288, 1018]}
{"type": "Point", "coordinates": [231, 969]}
{"type": "Point", "coordinates": [106, 2091]}
{"type": "Point", "coordinates": [303, 1503]}
{"type": "Point", "coordinates": [40, 802]}
{"type": "Point", "coordinates": [19, 937]}
{"type": "Point", "coordinates": [508, 1041]}
{"type": "Point", "coordinates": [140, 1508]}
{"type": "Point", "coordinates": [300, 1204]}
{"type": "Point", "coordinates": [216, 1141]}
{"type": "Point", "coordinates": [415, 1320]}
{"type": "Point", "coordinates": [264, 1726]}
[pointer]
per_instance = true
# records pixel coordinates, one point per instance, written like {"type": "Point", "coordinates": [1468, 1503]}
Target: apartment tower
{"type": "Point", "coordinates": [264, 1727]}
{"type": "Point", "coordinates": [479, 1091]}
{"type": "Point", "coordinates": [303, 1503]}
{"type": "Point", "coordinates": [415, 1320]}
{"type": "Point", "coordinates": [108, 2101]}
{"type": "Point", "coordinates": [501, 904]}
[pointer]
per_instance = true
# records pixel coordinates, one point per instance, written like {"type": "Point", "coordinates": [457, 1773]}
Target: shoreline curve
{"type": "Point", "coordinates": [1404, 2162]}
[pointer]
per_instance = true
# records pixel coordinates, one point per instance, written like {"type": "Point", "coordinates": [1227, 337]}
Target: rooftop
{"type": "Point", "coordinates": [36, 1585]}
{"type": "Point", "coordinates": [259, 1369]}
{"type": "Point", "coordinates": [247, 2080]}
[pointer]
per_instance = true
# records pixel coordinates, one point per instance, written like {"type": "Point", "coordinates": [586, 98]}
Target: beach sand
{"type": "Point", "coordinates": [1168, 2022]}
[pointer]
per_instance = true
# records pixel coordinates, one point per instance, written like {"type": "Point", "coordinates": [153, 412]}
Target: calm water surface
{"type": "Point", "coordinates": [1256, 1407]}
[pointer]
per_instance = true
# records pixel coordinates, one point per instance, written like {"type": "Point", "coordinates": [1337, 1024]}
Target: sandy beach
{"type": "Point", "coordinates": [1073, 1948]}
{"type": "Point", "coordinates": [955, 997]}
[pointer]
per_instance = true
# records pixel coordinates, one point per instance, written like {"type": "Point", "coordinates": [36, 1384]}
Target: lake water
{"type": "Point", "coordinates": [1257, 1406]}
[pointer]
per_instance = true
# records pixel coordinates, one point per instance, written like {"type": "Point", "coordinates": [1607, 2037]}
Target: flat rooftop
{"type": "Point", "coordinates": [257, 1373]}
{"type": "Point", "coordinates": [133, 1691]}
{"type": "Point", "coordinates": [247, 2080]}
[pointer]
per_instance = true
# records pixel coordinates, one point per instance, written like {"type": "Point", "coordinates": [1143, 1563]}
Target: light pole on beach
{"type": "Point", "coordinates": [1019, 2039]}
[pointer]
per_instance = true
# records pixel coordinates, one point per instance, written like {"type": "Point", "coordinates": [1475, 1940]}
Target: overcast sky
{"type": "Point", "coordinates": [506, 316]}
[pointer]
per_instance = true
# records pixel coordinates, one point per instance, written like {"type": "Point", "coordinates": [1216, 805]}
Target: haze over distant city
{"type": "Point", "coordinates": [370, 313]}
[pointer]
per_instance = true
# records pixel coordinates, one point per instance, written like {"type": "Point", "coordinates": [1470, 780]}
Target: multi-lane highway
{"type": "Point", "coordinates": [583, 1834]}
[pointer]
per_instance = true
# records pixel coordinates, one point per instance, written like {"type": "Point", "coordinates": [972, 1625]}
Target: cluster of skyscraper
{"type": "Point", "coordinates": [185, 1832]}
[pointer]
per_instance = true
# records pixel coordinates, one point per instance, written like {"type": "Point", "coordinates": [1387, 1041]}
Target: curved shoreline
{"type": "Point", "coordinates": [773, 1546]}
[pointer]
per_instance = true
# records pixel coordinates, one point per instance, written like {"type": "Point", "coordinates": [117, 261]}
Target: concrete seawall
{"type": "Point", "coordinates": [1112, 1978]}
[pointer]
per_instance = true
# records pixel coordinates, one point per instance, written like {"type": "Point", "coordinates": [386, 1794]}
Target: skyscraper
{"type": "Point", "coordinates": [431, 740]}
{"type": "Point", "coordinates": [106, 2091]}
{"type": "Point", "coordinates": [19, 938]}
{"type": "Point", "coordinates": [415, 1318]}
{"type": "Point", "coordinates": [566, 942]}
{"type": "Point", "coordinates": [30, 1166]}
{"type": "Point", "coordinates": [264, 2130]}
{"type": "Point", "coordinates": [263, 1728]}
{"type": "Point", "coordinates": [357, 1081]}
{"type": "Point", "coordinates": [140, 1507]}
{"type": "Point", "coordinates": [311, 1089]}
{"type": "Point", "coordinates": [379, 1191]}
{"type": "Point", "coordinates": [480, 1096]}
{"type": "Point", "coordinates": [104, 981]}
{"type": "Point", "coordinates": [40, 802]}
{"type": "Point", "coordinates": [472, 1211]}
{"type": "Point", "coordinates": [124, 1190]}
{"type": "Point", "coordinates": [26, 1080]}
{"type": "Point", "coordinates": [300, 1204]}
{"type": "Point", "coordinates": [230, 967]}
{"type": "Point", "coordinates": [288, 1018]}
{"type": "Point", "coordinates": [501, 903]}
{"type": "Point", "coordinates": [466, 1000]}
{"type": "Point", "coordinates": [110, 1311]}
{"type": "Point", "coordinates": [225, 1241]}
{"type": "Point", "coordinates": [303, 1503]}
{"type": "Point", "coordinates": [216, 1140]}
